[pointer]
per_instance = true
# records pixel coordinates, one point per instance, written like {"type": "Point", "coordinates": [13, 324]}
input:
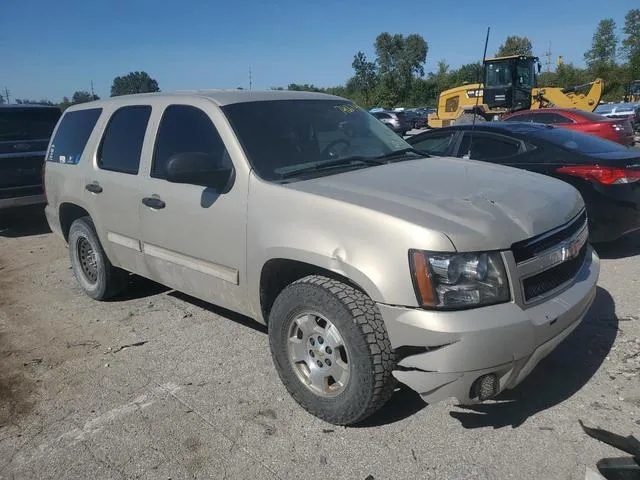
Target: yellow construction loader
{"type": "Point", "coordinates": [509, 84]}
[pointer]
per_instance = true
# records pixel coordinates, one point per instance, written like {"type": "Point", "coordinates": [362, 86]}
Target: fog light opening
{"type": "Point", "coordinates": [485, 387]}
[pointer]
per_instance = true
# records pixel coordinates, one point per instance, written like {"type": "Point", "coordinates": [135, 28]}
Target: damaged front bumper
{"type": "Point", "coordinates": [442, 353]}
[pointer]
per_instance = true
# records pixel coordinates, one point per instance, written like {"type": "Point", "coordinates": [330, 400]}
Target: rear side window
{"type": "Point", "coordinates": [123, 138]}
{"type": "Point", "coordinates": [72, 135]}
{"type": "Point", "coordinates": [183, 129]}
{"type": "Point", "coordinates": [487, 147]}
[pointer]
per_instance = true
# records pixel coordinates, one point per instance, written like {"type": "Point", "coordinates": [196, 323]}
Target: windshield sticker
{"type": "Point", "coordinates": [348, 108]}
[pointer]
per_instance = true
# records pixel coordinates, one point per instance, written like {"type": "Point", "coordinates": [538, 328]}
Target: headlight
{"type": "Point", "coordinates": [458, 280]}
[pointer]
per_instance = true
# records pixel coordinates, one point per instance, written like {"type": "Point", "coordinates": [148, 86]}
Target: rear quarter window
{"type": "Point", "coordinates": [70, 139]}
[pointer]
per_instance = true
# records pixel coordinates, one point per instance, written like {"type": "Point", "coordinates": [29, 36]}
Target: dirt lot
{"type": "Point", "coordinates": [159, 385]}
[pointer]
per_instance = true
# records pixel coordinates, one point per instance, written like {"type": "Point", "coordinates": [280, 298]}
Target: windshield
{"type": "Point", "coordinates": [498, 74]}
{"type": "Point", "coordinates": [525, 73]}
{"type": "Point", "coordinates": [20, 124]}
{"type": "Point", "coordinates": [284, 136]}
{"type": "Point", "coordinates": [577, 141]}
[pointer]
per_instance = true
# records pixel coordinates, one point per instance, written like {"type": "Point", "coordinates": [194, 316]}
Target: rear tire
{"type": "Point", "coordinates": [331, 350]}
{"type": "Point", "coordinates": [94, 272]}
{"type": "Point", "coordinates": [467, 119]}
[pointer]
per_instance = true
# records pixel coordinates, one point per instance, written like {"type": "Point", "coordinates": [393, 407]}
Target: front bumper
{"type": "Point", "coordinates": [446, 352]}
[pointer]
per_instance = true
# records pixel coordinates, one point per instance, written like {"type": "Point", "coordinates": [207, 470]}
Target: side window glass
{"type": "Point", "coordinates": [558, 119]}
{"type": "Point", "coordinates": [72, 136]}
{"type": "Point", "coordinates": [521, 118]}
{"type": "Point", "coordinates": [488, 147]}
{"type": "Point", "coordinates": [123, 138]}
{"type": "Point", "coordinates": [183, 129]}
{"type": "Point", "coordinates": [434, 144]}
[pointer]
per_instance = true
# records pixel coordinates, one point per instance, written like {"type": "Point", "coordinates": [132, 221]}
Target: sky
{"type": "Point", "coordinates": [49, 49]}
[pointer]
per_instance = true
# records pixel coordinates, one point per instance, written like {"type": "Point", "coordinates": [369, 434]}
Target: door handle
{"type": "Point", "coordinates": [93, 188]}
{"type": "Point", "coordinates": [153, 202]}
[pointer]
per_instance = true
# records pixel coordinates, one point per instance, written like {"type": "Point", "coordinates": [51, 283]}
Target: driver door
{"type": "Point", "coordinates": [194, 237]}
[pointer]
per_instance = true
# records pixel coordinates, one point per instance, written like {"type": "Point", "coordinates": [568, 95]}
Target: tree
{"type": "Point", "coordinates": [515, 45]}
{"type": "Point", "coordinates": [26, 101]}
{"type": "Point", "coordinates": [400, 59]}
{"type": "Point", "coordinates": [303, 88]}
{"type": "Point", "coordinates": [134, 82]}
{"type": "Point", "coordinates": [602, 53]}
{"type": "Point", "coordinates": [1, 100]}
{"type": "Point", "coordinates": [364, 79]}
{"type": "Point", "coordinates": [631, 42]}
{"type": "Point", "coordinates": [83, 97]}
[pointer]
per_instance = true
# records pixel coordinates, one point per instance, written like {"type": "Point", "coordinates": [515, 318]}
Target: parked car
{"type": "Point", "coordinates": [605, 173]}
{"type": "Point", "coordinates": [396, 121]}
{"type": "Point", "coordinates": [368, 262]}
{"type": "Point", "coordinates": [617, 130]}
{"type": "Point", "coordinates": [418, 117]}
{"type": "Point", "coordinates": [24, 134]}
{"type": "Point", "coordinates": [621, 111]}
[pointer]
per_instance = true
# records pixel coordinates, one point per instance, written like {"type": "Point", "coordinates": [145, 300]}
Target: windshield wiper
{"type": "Point", "coordinates": [327, 165]}
{"type": "Point", "coordinates": [401, 153]}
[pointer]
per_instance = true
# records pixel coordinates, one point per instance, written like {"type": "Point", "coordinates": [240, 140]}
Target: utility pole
{"type": "Point", "coordinates": [547, 54]}
{"type": "Point", "coordinates": [93, 96]}
{"type": "Point", "coordinates": [250, 78]}
{"type": "Point", "coordinates": [6, 95]}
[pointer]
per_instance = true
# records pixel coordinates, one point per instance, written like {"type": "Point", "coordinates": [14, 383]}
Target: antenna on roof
{"type": "Point", "coordinates": [480, 78]}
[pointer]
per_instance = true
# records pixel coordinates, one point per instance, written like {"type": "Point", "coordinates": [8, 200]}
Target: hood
{"type": "Point", "coordinates": [479, 206]}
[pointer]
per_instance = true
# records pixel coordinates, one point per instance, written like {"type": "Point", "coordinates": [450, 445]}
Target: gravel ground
{"type": "Point", "coordinates": [159, 385]}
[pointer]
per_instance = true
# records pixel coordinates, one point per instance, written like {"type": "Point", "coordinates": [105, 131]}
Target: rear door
{"type": "Point", "coordinates": [112, 186]}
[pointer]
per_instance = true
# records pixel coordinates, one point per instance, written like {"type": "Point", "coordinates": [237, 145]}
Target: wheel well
{"type": "Point", "coordinates": [278, 273]}
{"type": "Point", "coordinates": [69, 213]}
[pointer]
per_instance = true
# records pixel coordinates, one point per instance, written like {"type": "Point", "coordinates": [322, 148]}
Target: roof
{"type": "Point", "coordinates": [513, 127]}
{"type": "Point", "coordinates": [220, 97]}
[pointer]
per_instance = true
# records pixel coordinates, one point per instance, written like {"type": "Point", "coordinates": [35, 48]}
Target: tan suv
{"type": "Point", "coordinates": [368, 261]}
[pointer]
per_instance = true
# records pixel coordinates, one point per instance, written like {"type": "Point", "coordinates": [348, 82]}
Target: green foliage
{"type": "Point", "coordinates": [83, 97]}
{"type": "Point", "coordinates": [134, 82]}
{"type": "Point", "coordinates": [304, 88]}
{"type": "Point", "coordinates": [631, 42]}
{"type": "Point", "coordinates": [602, 53]}
{"type": "Point", "coordinates": [515, 45]}
{"type": "Point", "coordinates": [364, 80]}
{"type": "Point", "coordinates": [25, 101]}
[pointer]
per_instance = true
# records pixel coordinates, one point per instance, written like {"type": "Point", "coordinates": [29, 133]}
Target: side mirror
{"type": "Point", "coordinates": [199, 168]}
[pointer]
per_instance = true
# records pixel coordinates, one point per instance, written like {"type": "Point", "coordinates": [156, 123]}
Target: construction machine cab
{"type": "Point", "coordinates": [508, 82]}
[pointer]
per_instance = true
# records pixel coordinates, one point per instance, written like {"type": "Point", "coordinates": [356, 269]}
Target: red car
{"type": "Point", "coordinates": [617, 130]}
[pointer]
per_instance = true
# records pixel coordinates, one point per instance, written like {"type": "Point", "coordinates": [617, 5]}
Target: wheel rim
{"type": "Point", "coordinates": [87, 258]}
{"type": "Point", "coordinates": [318, 354]}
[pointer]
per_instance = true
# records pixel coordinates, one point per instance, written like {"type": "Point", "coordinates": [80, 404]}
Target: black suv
{"type": "Point", "coordinates": [24, 135]}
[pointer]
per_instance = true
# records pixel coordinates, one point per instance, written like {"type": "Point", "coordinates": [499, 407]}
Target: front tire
{"type": "Point", "coordinates": [331, 349]}
{"type": "Point", "coordinates": [98, 278]}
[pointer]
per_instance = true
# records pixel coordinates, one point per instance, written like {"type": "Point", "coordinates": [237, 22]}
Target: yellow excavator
{"type": "Point", "coordinates": [509, 84]}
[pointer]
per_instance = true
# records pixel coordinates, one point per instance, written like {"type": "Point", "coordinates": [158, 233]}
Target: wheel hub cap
{"type": "Point", "coordinates": [318, 354]}
{"type": "Point", "coordinates": [88, 261]}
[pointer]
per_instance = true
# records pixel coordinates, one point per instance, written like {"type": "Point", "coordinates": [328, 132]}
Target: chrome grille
{"type": "Point", "coordinates": [550, 261]}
